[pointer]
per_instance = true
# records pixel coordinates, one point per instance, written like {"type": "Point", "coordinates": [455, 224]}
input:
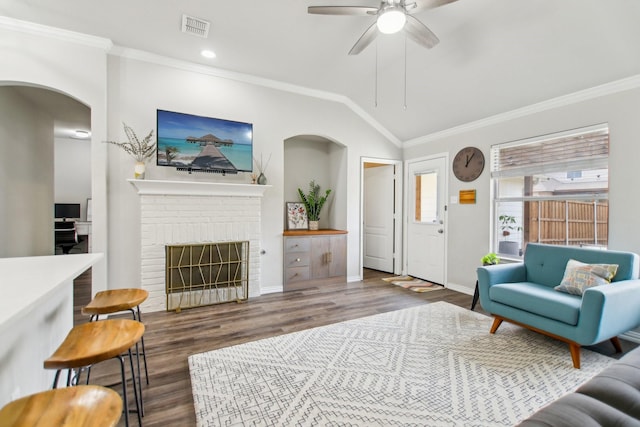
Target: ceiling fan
{"type": "Point", "coordinates": [392, 17]}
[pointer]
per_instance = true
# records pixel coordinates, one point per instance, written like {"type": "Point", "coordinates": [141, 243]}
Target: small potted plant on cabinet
{"type": "Point", "coordinates": [313, 201]}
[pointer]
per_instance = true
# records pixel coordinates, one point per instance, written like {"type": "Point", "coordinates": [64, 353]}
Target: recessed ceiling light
{"type": "Point", "coordinates": [209, 54]}
{"type": "Point", "coordinates": [82, 134]}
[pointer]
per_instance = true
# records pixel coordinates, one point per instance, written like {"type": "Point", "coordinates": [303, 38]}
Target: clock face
{"type": "Point", "coordinates": [468, 164]}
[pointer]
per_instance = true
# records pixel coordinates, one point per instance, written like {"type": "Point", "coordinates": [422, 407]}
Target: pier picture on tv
{"type": "Point", "coordinates": [205, 144]}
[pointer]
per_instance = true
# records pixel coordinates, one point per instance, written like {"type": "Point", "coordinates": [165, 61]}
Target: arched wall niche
{"type": "Point", "coordinates": [324, 160]}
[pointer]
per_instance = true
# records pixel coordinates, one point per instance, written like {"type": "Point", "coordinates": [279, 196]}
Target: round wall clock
{"type": "Point", "coordinates": [468, 164]}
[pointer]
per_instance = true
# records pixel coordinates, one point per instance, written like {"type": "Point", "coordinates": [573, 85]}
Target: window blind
{"type": "Point", "coordinates": [567, 151]}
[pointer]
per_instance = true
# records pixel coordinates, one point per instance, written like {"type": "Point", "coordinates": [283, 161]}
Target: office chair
{"type": "Point", "coordinates": [66, 235]}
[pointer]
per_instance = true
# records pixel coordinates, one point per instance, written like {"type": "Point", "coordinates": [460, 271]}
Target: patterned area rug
{"type": "Point", "coordinates": [433, 365]}
{"type": "Point", "coordinates": [413, 284]}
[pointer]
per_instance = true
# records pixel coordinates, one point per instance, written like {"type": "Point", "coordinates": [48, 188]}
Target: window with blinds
{"type": "Point", "coordinates": [551, 189]}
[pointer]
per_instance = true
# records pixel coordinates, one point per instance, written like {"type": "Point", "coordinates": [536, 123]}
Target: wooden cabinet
{"type": "Point", "coordinates": [314, 257]}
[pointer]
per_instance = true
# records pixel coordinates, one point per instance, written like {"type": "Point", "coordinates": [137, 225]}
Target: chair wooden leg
{"type": "Point", "coordinates": [497, 321]}
{"type": "Point", "coordinates": [616, 343]}
{"type": "Point", "coordinates": [574, 348]}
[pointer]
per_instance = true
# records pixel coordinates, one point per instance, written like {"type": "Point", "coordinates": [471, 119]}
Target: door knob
{"type": "Point", "coordinates": [440, 230]}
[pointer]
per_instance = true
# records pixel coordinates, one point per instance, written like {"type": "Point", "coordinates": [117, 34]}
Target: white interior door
{"type": "Point", "coordinates": [426, 219]}
{"type": "Point", "coordinates": [379, 210]}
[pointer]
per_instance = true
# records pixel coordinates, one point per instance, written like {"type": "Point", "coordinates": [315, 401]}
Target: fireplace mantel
{"type": "Point", "coordinates": [191, 188]}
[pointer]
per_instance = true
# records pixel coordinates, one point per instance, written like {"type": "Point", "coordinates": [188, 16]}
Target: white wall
{"type": "Point", "coordinates": [72, 172]}
{"type": "Point", "coordinates": [137, 88]}
{"type": "Point", "coordinates": [36, 55]}
{"type": "Point", "coordinates": [26, 177]}
{"type": "Point", "coordinates": [469, 225]}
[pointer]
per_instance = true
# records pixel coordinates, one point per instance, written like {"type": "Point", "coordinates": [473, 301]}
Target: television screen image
{"type": "Point", "coordinates": [204, 144]}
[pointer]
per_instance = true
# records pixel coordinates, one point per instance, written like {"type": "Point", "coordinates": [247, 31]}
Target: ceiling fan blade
{"type": "Point", "coordinates": [342, 10]}
{"type": "Point", "coordinates": [428, 4]}
{"type": "Point", "coordinates": [419, 33]}
{"type": "Point", "coordinates": [365, 40]}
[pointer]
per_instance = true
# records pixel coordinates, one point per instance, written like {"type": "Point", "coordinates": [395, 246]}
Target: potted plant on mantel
{"type": "Point", "coordinates": [313, 202]}
{"type": "Point", "coordinates": [141, 150]}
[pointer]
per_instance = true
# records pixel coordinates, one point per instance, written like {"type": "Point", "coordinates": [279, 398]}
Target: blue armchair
{"type": "Point", "coordinates": [524, 294]}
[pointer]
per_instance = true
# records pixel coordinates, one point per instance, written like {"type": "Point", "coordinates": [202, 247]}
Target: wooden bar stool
{"type": "Point", "coordinates": [81, 406]}
{"type": "Point", "coordinates": [117, 300]}
{"type": "Point", "coordinates": [94, 342]}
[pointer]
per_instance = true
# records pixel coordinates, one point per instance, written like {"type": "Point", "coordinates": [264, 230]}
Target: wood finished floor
{"type": "Point", "coordinates": [171, 337]}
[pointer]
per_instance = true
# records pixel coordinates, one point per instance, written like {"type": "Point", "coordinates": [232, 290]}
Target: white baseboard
{"type": "Point", "coordinates": [271, 290]}
{"type": "Point", "coordinates": [633, 336]}
{"type": "Point", "coordinates": [354, 279]}
{"type": "Point", "coordinates": [460, 288]}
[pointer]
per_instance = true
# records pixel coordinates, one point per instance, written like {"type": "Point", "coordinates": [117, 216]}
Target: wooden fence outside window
{"type": "Point", "coordinates": [567, 222]}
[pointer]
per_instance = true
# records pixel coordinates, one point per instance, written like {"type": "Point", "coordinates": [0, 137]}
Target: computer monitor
{"type": "Point", "coordinates": [67, 210]}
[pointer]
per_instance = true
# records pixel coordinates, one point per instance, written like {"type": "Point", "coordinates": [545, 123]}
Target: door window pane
{"type": "Point", "coordinates": [426, 197]}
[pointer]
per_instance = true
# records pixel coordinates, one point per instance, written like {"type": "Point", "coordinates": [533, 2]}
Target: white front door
{"type": "Point", "coordinates": [426, 200]}
{"type": "Point", "coordinates": [379, 209]}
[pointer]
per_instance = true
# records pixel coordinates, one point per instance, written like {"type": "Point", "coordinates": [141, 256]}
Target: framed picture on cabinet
{"type": "Point", "coordinates": [297, 216]}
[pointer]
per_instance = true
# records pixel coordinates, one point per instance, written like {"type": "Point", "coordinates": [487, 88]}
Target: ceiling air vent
{"type": "Point", "coordinates": [195, 26]}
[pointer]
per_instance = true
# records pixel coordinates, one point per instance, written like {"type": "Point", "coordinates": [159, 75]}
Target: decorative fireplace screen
{"type": "Point", "coordinates": [206, 274]}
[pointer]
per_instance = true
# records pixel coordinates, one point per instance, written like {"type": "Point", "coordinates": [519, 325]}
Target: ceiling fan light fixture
{"type": "Point", "coordinates": [391, 20]}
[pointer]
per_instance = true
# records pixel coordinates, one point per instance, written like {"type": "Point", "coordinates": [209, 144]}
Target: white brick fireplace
{"type": "Point", "coordinates": [181, 212]}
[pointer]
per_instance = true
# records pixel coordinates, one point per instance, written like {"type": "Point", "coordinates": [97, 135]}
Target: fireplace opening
{"type": "Point", "coordinates": [206, 274]}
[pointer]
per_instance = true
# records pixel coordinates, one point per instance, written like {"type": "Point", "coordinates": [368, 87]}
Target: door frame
{"type": "Point", "coordinates": [397, 232]}
{"type": "Point", "coordinates": [406, 219]}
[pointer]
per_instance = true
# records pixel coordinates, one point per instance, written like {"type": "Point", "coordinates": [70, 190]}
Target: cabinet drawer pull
{"type": "Point", "coordinates": [298, 259]}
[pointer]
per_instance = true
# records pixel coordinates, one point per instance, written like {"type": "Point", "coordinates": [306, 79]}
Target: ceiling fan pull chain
{"type": "Point", "coordinates": [375, 89]}
{"type": "Point", "coordinates": [405, 73]}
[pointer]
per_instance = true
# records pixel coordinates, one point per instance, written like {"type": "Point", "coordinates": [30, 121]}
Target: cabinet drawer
{"type": "Point", "coordinates": [296, 274]}
{"type": "Point", "coordinates": [296, 260]}
{"type": "Point", "coordinates": [297, 244]}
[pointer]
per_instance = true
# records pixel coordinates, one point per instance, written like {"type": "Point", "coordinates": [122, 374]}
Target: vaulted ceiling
{"type": "Point", "coordinates": [494, 56]}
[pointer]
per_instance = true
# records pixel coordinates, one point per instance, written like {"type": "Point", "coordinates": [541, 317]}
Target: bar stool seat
{"type": "Point", "coordinates": [94, 342]}
{"type": "Point", "coordinates": [117, 300]}
{"type": "Point", "coordinates": [81, 406]}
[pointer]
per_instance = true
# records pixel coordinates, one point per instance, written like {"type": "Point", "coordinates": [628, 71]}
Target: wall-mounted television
{"type": "Point", "coordinates": [203, 144]}
{"type": "Point", "coordinates": [66, 210]}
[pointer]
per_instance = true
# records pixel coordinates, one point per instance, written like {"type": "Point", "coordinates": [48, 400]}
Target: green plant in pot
{"type": "Point", "coordinates": [490, 259]}
{"type": "Point", "coordinates": [313, 202]}
{"type": "Point", "coordinates": [508, 224]}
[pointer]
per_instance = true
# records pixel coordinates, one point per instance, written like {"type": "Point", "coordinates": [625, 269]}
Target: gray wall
{"type": "Point", "coordinates": [138, 88]}
{"type": "Point", "coordinates": [469, 226]}
{"type": "Point", "coordinates": [72, 172]}
{"type": "Point", "coordinates": [26, 177]}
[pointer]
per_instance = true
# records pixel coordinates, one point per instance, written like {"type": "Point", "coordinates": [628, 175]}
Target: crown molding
{"type": "Point", "coordinates": [616, 86]}
{"type": "Point", "coordinates": [55, 33]}
{"type": "Point", "coordinates": [153, 58]}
